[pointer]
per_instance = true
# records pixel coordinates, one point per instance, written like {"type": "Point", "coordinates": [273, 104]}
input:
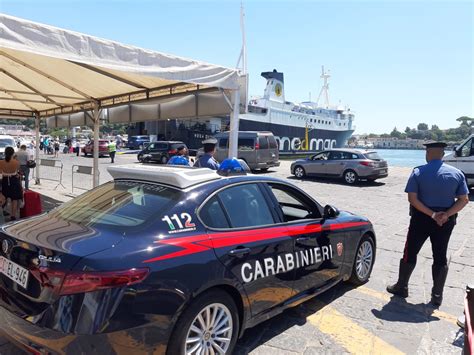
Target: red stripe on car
{"type": "Point", "coordinates": [202, 242]}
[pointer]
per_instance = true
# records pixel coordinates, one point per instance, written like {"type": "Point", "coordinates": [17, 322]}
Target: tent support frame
{"type": "Point", "coordinates": [37, 147]}
{"type": "Point", "coordinates": [96, 119]}
{"type": "Point", "coordinates": [234, 126]}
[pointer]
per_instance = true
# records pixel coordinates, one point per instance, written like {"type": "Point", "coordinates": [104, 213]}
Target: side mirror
{"type": "Point", "coordinates": [455, 148]}
{"type": "Point", "coordinates": [330, 212]}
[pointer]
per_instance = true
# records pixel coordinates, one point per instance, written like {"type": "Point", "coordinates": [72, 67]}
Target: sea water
{"type": "Point", "coordinates": [403, 157]}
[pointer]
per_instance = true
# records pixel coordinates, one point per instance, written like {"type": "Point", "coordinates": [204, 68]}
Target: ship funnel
{"type": "Point", "coordinates": [275, 89]}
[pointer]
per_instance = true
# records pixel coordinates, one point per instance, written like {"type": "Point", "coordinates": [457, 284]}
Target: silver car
{"type": "Point", "coordinates": [349, 164]}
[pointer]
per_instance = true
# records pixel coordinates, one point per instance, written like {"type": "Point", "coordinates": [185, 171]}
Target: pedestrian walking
{"type": "Point", "coordinates": [11, 185]}
{"type": "Point", "coordinates": [78, 148]}
{"type": "Point", "coordinates": [207, 160]}
{"type": "Point", "coordinates": [180, 157]}
{"type": "Point", "coordinates": [23, 156]}
{"type": "Point", "coordinates": [112, 150]}
{"type": "Point", "coordinates": [436, 192]}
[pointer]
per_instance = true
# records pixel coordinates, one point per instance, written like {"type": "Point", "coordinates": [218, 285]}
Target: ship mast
{"type": "Point", "coordinates": [325, 89]}
{"type": "Point", "coordinates": [243, 52]}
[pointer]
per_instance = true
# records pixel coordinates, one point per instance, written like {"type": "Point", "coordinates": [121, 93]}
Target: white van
{"type": "Point", "coordinates": [462, 158]}
{"type": "Point", "coordinates": [6, 141]}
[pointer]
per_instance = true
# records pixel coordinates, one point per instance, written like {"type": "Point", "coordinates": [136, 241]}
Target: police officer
{"type": "Point", "coordinates": [207, 159]}
{"type": "Point", "coordinates": [436, 192]}
{"type": "Point", "coordinates": [180, 157]}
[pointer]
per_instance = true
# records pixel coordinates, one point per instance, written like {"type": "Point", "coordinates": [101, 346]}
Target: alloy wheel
{"type": "Point", "coordinates": [210, 331]}
{"type": "Point", "coordinates": [350, 177]}
{"type": "Point", "coordinates": [299, 172]}
{"type": "Point", "coordinates": [365, 258]}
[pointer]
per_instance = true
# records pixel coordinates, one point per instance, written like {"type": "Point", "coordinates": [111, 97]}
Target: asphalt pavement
{"type": "Point", "coordinates": [345, 319]}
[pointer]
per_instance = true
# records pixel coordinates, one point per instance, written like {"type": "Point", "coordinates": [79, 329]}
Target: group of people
{"type": "Point", "coordinates": [206, 160]}
{"type": "Point", "coordinates": [50, 146]}
{"type": "Point", "coordinates": [14, 169]}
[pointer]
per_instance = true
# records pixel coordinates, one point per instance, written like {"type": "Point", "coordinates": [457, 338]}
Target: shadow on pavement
{"type": "Point", "coordinates": [264, 332]}
{"type": "Point", "coordinates": [399, 310]}
{"type": "Point", "coordinates": [49, 203]}
{"type": "Point", "coordinates": [330, 181]}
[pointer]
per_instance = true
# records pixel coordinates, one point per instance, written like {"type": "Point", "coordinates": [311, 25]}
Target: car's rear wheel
{"type": "Point", "coordinates": [350, 177]}
{"type": "Point", "coordinates": [299, 172]}
{"type": "Point", "coordinates": [141, 146]}
{"type": "Point", "coordinates": [209, 325]}
{"type": "Point", "coordinates": [364, 261]}
{"type": "Point", "coordinates": [164, 159]}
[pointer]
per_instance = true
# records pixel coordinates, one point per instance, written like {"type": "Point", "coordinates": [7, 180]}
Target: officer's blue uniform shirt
{"type": "Point", "coordinates": [178, 160]}
{"type": "Point", "coordinates": [207, 161]}
{"type": "Point", "coordinates": [437, 184]}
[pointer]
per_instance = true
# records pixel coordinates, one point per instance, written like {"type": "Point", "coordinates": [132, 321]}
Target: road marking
{"type": "Point", "coordinates": [386, 298]}
{"type": "Point", "coordinates": [350, 335]}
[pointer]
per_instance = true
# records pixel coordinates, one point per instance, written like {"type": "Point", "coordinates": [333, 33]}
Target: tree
{"type": "Point", "coordinates": [466, 121]}
{"type": "Point", "coordinates": [396, 133]}
{"type": "Point", "coordinates": [407, 130]}
{"type": "Point", "coordinates": [422, 127]}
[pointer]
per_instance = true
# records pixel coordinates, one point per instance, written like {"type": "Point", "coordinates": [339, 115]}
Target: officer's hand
{"type": "Point", "coordinates": [441, 218]}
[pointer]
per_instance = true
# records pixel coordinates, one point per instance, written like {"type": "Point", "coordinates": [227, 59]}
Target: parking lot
{"type": "Point", "coordinates": [346, 319]}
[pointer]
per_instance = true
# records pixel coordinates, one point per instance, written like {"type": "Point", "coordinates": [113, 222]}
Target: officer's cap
{"type": "Point", "coordinates": [212, 141]}
{"type": "Point", "coordinates": [435, 144]}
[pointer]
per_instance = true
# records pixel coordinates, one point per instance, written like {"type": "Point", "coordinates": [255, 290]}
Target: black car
{"type": "Point", "coordinates": [172, 260]}
{"type": "Point", "coordinates": [160, 151]}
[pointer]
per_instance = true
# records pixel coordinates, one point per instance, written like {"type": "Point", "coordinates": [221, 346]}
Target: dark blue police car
{"type": "Point", "coordinates": [172, 260]}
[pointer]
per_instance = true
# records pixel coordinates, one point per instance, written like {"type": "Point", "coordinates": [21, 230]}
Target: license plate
{"type": "Point", "coordinates": [383, 171]}
{"type": "Point", "coordinates": [14, 272]}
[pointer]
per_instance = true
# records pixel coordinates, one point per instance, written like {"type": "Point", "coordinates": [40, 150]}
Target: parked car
{"type": "Point", "coordinates": [172, 260]}
{"type": "Point", "coordinates": [258, 149]}
{"type": "Point", "coordinates": [138, 142]}
{"type": "Point", "coordinates": [88, 149]}
{"type": "Point", "coordinates": [160, 151]}
{"type": "Point", "coordinates": [349, 164]}
{"type": "Point", "coordinates": [462, 158]}
{"type": "Point", "coordinates": [6, 141]}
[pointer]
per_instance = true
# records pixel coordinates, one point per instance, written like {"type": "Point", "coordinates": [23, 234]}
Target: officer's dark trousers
{"type": "Point", "coordinates": [423, 227]}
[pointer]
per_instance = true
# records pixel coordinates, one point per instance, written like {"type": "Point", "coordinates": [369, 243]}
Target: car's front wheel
{"type": "Point", "coordinates": [209, 325]}
{"type": "Point", "coordinates": [164, 159]}
{"type": "Point", "coordinates": [350, 177]}
{"type": "Point", "coordinates": [364, 261]}
{"type": "Point", "coordinates": [299, 172]}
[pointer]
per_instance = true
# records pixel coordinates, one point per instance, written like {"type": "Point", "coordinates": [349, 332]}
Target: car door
{"type": "Point", "coordinates": [465, 158]}
{"type": "Point", "coordinates": [241, 226]}
{"type": "Point", "coordinates": [335, 163]}
{"type": "Point", "coordinates": [263, 151]}
{"type": "Point", "coordinates": [317, 164]}
{"type": "Point", "coordinates": [316, 250]}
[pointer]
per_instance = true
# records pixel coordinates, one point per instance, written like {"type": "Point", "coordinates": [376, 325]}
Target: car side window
{"type": "Point", "coordinates": [335, 156]}
{"type": "Point", "coordinates": [467, 148]}
{"type": "Point", "coordinates": [294, 205]}
{"type": "Point", "coordinates": [246, 206]}
{"type": "Point", "coordinates": [321, 156]}
{"type": "Point", "coordinates": [151, 146]}
{"type": "Point", "coordinates": [272, 142]}
{"type": "Point", "coordinates": [212, 214]}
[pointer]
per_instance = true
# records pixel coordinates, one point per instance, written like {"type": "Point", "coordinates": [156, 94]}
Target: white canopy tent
{"type": "Point", "coordinates": [68, 78]}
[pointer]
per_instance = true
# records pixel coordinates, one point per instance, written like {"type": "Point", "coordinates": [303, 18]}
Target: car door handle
{"type": "Point", "coordinates": [302, 239]}
{"type": "Point", "coordinates": [239, 252]}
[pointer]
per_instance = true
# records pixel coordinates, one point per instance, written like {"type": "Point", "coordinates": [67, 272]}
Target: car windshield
{"type": "Point", "coordinates": [6, 142]}
{"type": "Point", "coordinates": [119, 205]}
{"type": "Point", "coordinates": [373, 156]}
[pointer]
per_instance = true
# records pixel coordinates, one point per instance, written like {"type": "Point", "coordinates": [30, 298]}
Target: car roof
{"type": "Point", "coordinates": [245, 133]}
{"type": "Point", "coordinates": [350, 150]}
{"type": "Point", "coordinates": [178, 176]}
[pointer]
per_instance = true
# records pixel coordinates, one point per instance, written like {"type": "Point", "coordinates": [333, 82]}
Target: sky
{"type": "Point", "coordinates": [394, 63]}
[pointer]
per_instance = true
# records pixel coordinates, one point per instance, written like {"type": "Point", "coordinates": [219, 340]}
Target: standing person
{"type": "Point", "coordinates": [11, 185]}
{"type": "Point", "coordinates": [207, 160]}
{"type": "Point", "coordinates": [56, 148]}
{"type": "Point", "coordinates": [180, 157]}
{"type": "Point", "coordinates": [112, 150]}
{"type": "Point", "coordinates": [41, 143]}
{"type": "Point", "coordinates": [46, 145]}
{"type": "Point", "coordinates": [78, 147]}
{"type": "Point", "coordinates": [436, 192]}
{"type": "Point", "coordinates": [23, 156]}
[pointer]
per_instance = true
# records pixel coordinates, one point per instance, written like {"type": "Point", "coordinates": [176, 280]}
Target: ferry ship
{"type": "Point", "coordinates": [308, 126]}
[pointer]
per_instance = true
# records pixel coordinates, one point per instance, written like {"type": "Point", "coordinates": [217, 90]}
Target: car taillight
{"type": "Point", "coordinates": [172, 151]}
{"type": "Point", "coordinates": [367, 163]}
{"type": "Point", "coordinates": [257, 146]}
{"type": "Point", "coordinates": [64, 283]}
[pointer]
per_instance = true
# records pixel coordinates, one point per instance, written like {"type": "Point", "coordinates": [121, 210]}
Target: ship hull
{"type": "Point", "coordinates": [292, 139]}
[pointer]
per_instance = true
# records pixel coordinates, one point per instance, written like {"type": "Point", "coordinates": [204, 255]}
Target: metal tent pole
{"type": "Point", "coordinates": [95, 116]}
{"type": "Point", "coordinates": [37, 147]}
{"type": "Point", "coordinates": [234, 125]}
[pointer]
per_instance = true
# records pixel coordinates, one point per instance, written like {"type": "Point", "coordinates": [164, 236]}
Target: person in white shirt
{"type": "Point", "coordinates": [23, 156]}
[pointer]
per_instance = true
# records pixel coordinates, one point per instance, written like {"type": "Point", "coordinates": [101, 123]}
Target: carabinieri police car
{"type": "Point", "coordinates": [172, 260]}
